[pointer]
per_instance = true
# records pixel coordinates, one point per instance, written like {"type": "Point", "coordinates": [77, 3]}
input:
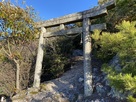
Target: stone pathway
{"type": "Point", "coordinates": [69, 87]}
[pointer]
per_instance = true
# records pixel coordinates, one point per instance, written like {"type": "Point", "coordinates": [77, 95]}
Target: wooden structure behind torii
{"type": "Point", "coordinates": [85, 17]}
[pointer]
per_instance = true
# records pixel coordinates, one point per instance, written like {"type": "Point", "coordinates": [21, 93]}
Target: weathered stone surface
{"type": "Point", "coordinates": [63, 32]}
{"type": "Point", "coordinates": [114, 93]}
{"type": "Point", "coordinates": [100, 90]}
{"type": "Point", "coordinates": [98, 13]}
{"type": "Point", "coordinates": [87, 46]}
{"type": "Point", "coordinates": [77, 30]}
{"type": "Point", "coordinates": [38, 67]}
{"type": "Point", "coordinates": [80, 80]}
{"type": "Point", "coordinates": [115, 63]}
{"type": "Point", "coordinates": [109, 5]}
{"type": "Point", "coordinates": [68, 89]}
{"type": "Point", "coordinates": [80, 97]}
{"type": "Point", "coordinates": [62, 26]}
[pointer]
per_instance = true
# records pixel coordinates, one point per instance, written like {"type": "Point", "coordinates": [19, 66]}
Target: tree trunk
{"type": "Point", "coordinates": [38, 68]}
{"type": "Point", "coordinates": [87, 59]}
{"type": "Point", "coordinates": [17, 74]}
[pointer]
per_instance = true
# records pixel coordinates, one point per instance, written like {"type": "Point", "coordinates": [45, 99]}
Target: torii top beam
{"type": "Point", "coordinates": [91, 13]}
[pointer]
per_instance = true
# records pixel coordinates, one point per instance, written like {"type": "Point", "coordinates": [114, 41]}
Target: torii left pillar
{"type": "Point", "coordinates": [88, 89]}
{"type": "Point", "coordinates": [39, 60]}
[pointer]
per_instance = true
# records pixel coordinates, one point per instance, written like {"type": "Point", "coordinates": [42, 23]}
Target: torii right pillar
{"type": "Point", "coordinates": [88, 89]}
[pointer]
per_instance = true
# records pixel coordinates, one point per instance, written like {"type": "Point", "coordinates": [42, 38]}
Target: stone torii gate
{"type": "Point", "coordinates": [85, 17]}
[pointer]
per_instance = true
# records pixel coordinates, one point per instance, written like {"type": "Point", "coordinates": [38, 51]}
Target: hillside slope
{"type": "Point", "coordinates": [69, 87]}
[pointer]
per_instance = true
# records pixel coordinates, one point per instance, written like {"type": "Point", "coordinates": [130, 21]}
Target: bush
{"type": "Point", "coordinates": [57, 53]}
{"type": "Point", "coordinates": [122, 43]}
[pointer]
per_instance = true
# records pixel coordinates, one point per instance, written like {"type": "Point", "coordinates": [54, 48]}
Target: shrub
{"type": "Point", "coordinates": [122, 43]}
{"type": "Point", "coordinates": [56, 57]}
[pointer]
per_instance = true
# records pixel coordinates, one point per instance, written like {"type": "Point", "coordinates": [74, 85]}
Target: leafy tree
{"type": "Point", "coordinates": [16, 28]}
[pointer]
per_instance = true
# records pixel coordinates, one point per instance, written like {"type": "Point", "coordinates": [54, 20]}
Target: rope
{"type": "Point", "coordinates": [70, 36]}
{"type": "Point", "coordinates": [81, 41]}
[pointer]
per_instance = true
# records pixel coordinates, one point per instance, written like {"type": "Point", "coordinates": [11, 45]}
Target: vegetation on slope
{"type": "Point", "coordinates": [122, 44]}
{"type": "Point", "coordinates": [16, 32]}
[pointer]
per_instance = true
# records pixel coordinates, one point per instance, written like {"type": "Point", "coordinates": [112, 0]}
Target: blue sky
{"type": "Point", "coordinates": [48, 9]}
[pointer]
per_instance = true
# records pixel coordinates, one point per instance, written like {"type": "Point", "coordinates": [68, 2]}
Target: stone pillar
{"type": "Point", "coordinates": [62, 26]}
{"type": "Point", "coordinates": [39, 60]}
{"type": "Point", "coordinates": [87, 59]}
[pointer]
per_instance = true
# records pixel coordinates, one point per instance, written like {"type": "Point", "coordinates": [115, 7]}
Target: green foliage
{"type": "Point", "coordinates": [131, 99]}
{"type": "Point", "coordinates": [123, 82]}
{"type": "Point", "coordinates": [17, 28]}
{"type": "Point", "coordinates": [57, 52]}
{"type": "Point", "coordinates": [122, 43]}
{"type": "Point", "coordinates": [2, 58]}
{"type": "Point", "coordinates": [16, 23]}
{"type": "Point", "coordinates": [54, 65]}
